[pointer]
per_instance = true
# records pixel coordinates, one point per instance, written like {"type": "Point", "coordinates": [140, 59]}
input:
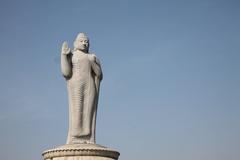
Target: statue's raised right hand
{"type": "Point", "coordinates": [65, 49]}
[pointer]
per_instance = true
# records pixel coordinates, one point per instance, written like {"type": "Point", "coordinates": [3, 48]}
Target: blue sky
{"type": "Point", "coordinates": [171, 76]}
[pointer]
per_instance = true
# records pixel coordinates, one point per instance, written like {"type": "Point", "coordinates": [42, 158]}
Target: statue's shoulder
{"type": "Point", "coordinates": [94, 55]}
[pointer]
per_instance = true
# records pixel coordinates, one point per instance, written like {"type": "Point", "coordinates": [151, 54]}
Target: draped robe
{"type": "Point", "coordinates": [83, 84]}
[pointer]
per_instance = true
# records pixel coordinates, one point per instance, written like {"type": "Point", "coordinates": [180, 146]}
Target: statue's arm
{"type": "Point", "coordinates": [66, 65]}
{"type": "Point", "coordinates": [96, 67]}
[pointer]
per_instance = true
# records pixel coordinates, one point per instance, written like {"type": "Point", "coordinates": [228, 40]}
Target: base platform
{"type": "Point", "coordinates": [80, 152]}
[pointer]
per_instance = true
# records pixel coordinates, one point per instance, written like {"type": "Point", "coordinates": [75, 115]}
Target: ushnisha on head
{"type": "Point", "coordinates": [81, 43]}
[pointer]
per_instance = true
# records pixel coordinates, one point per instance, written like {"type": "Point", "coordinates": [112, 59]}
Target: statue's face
{"type": "Point", "coordinates": [82, 44]}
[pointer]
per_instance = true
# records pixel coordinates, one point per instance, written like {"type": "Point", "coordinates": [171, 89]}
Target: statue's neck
{"type": "Point", "coordinates": [81, 52]}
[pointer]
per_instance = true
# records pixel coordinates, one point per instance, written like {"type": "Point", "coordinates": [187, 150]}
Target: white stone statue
{"type": "Point", "coordinates": [82, 71]}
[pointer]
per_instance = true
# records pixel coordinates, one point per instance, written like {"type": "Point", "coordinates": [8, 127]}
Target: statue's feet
{"type": "Point", "coordinates": [82, 137]}
{"type": "Point", "coordinates": [84, 133]}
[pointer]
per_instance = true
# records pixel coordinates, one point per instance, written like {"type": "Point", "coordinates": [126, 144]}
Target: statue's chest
{"type": "Point", "coordinates": [80, 59]}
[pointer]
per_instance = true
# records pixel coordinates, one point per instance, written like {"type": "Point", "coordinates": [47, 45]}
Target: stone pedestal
{"type": "Point", "coordinates": [81, 152]}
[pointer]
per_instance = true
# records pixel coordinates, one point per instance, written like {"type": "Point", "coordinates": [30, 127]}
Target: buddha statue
{"type": "Point", "coordinates": [83, 74]}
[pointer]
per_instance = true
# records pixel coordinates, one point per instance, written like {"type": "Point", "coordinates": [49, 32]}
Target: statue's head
{"type": "Point", "coordinates": [81, 43]}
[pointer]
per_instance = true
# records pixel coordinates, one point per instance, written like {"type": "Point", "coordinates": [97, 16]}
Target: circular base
{"type": "Point", "coordinates": [81, 152]}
